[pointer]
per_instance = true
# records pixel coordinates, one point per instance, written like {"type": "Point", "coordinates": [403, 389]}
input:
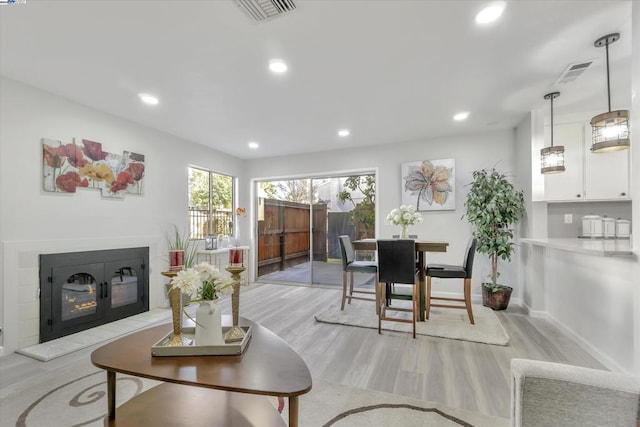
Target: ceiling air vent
{"type": "Point", "coordinates": [260, 10]}
{"type": "Point", "coordinates": [572, 72]}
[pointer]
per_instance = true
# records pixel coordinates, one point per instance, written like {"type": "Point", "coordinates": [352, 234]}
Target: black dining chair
{"type": "Point", "coordinates": [396, 264]}
{"type": "Point", "coordinates": [397, 236]}
{"type": "Point", "coordinates": [350, 266]}
{"type": "Point", "coordinates": [445, 271]}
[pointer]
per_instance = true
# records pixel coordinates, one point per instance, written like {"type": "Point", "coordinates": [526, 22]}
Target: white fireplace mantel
{"type": "Point", "coordinates": [21, 305]}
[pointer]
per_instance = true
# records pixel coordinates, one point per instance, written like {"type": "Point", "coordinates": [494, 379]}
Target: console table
{"type": "Point", "coordinates": [224, 389]}
{"type": "Point", "coordinates": [219, 258]}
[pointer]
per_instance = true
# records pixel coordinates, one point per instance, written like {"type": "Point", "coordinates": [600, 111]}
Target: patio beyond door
{"type": "Point", "coordinates": [299, 222]}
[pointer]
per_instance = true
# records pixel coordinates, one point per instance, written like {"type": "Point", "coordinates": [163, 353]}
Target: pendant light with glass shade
{"type": "Point", "coordinates": [609, 131]}
{"type": "Point", "coordinates": [552, 158]}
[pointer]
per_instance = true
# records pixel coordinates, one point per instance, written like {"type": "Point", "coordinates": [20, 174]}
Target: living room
{"type": "Point", "coordinates": [33, 107]}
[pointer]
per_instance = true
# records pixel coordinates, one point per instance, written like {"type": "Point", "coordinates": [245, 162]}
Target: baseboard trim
{"type": "Point", "coordinates": [538, 314]}
{"type": "Point", "coordinates": [608, 362]}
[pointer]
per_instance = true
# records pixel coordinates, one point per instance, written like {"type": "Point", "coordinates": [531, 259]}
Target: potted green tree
{"type": "Point", "coordinates": [493, 206]}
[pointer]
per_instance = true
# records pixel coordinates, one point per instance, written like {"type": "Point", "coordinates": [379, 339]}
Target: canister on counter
{"type": "Point", "coordinates": [609, 228]}
{"type": "Point", "coordinates": [623, 228]}
{"type": "Point", "coordinates": [592, 226]}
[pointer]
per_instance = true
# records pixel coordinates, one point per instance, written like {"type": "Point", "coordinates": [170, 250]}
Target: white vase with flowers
{"type": "Point", "coordinates": [204, 284]}
{"type": "Point", "coordinates": [404, 216]}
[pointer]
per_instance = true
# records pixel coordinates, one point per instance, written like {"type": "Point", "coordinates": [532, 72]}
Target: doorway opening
{"type": "Point", "coordinates": [299, 221]}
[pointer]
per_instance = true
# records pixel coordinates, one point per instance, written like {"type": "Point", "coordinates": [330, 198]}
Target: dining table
{"type": "Point", "coordinates": [422, 247]}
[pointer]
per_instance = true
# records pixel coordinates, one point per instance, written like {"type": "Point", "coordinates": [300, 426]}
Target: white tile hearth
{"type": "Point", "coordinates": [65, 345]}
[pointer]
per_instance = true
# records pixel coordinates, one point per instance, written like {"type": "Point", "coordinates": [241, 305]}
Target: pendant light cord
{"type": "Point", "coordinates": [552, 120]}
{"type": "Point", "coordinates": [606, 47]}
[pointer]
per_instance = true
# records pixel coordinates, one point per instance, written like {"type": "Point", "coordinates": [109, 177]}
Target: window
{"type": "Point", "coordinates": [210, 203]}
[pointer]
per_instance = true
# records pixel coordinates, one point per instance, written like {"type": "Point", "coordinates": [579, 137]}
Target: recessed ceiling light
{"type": "Point", "coordinates": [253, 145]}
{"type": "Point", "coordinates": [277, 66]}
{"type": "Point", "coordinates": [148, 99]}
{"type": "Point", "coordinates": [343, 132]}
{"type": "Point", "coordinates": [491, 12]}
{"type": "Point", "coordinates": [461, 116]}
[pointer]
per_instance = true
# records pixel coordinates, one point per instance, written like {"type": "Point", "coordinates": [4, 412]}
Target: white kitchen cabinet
{"type": "Point", "coordinates": [567, 185]}
{"type": "Point", "coordinates": [587, 176]}
{"type": "Point", "coordinates": [606, 174]}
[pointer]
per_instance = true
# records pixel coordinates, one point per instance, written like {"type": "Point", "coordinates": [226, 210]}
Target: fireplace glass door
{"type": "Point", "coordinates": [124, 284]}
{"type": "Point", "coordinates": [82, 290]}
{"type": "Point", "coordinates": [79, 296]}
{"type": "Point", "coordinates": [77, 302]}
{"type": "Point", "coordinates": [124, 287]}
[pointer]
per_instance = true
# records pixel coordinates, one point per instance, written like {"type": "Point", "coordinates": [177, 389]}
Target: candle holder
{"type": "Point", "coordinates": [176, 314]}
{"type": "Point", "coordinates": [235, 333]}
{"type": "Point", "coordinates": [175, 299]}
{"type": "Point", "coordinates": [236, 257]}
{"type": "Point", "coordinates": [176, 260]}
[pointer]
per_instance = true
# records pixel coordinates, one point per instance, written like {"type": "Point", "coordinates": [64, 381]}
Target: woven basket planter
{"type": "Point", "coordinates": [498, 300]}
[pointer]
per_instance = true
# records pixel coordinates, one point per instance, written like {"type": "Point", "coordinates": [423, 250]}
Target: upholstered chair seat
{"type": "Point", "coordinates": [350, 266]}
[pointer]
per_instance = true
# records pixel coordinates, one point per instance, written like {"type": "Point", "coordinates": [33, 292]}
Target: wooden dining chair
{"type": "Point", "coordinates": [396, 264]}
{"type": "Point", "coordinates": [445, 271]}
{"type": "Point", "coordinates": [350, 266]}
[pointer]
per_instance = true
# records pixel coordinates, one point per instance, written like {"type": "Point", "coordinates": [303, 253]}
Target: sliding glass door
{"type": "Point", "coordinates": [299, 221]}
{"type": "Point", "coordinates": [284, 230]}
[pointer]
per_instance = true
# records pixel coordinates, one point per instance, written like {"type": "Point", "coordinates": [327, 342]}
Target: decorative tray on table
{"type": "Point", "coordinates": [188, 346]}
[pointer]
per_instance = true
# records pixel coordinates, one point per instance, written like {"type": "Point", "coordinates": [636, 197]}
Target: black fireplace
{"type": "Point", "coordinates": [82, 290]}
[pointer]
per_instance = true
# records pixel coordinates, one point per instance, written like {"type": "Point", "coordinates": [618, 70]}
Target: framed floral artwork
{"type": "Point", "coordinates": [429, 185]}
{"type": "Point", "coordinates": [66, 167]}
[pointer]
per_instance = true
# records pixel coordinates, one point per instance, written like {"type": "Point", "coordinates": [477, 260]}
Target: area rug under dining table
{"type": "Point", "coordinates": [442, 323]}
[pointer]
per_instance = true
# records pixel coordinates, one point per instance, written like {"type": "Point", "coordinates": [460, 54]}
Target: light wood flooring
{"type": "Point", "coordinates": [460, 374]}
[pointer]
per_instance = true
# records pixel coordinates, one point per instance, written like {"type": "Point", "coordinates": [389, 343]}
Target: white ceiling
{"type": "Point", "coordinates": [391, 71]}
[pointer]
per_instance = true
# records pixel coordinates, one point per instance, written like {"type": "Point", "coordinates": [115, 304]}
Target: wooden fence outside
{"type": "Point", "coordinates": [284, 236]}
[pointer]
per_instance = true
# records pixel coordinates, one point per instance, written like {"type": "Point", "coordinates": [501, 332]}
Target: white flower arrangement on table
{"type": "Point", "coordinates": [202, 282]}
{"type": "Point", "coordinates": [404, 216]}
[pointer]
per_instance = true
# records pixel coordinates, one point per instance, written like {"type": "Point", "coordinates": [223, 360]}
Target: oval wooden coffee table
{"type": "Point", "coordinates": [223, 388]}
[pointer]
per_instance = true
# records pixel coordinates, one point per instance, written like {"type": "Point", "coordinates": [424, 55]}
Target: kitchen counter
{"type": "Point", "coordinates": [599, 247]}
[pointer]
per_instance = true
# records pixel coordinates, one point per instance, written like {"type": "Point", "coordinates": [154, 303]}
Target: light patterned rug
{"type": "Point", "coordinates": [77, 397]}
{"type": "Point", "coordinates": [336, 405]}
{"type": "Point", "coordinates": [442, 323]}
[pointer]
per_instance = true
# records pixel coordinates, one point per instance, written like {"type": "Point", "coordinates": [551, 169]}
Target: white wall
{"type": "Point", "coordinates": [531, 296]}
{"type": "Point", "coordinates": [471, 152]}
{"type": "Point", "coordinates": [33, 221]}
{"type": "Point", "coordinates": [635, 172]}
